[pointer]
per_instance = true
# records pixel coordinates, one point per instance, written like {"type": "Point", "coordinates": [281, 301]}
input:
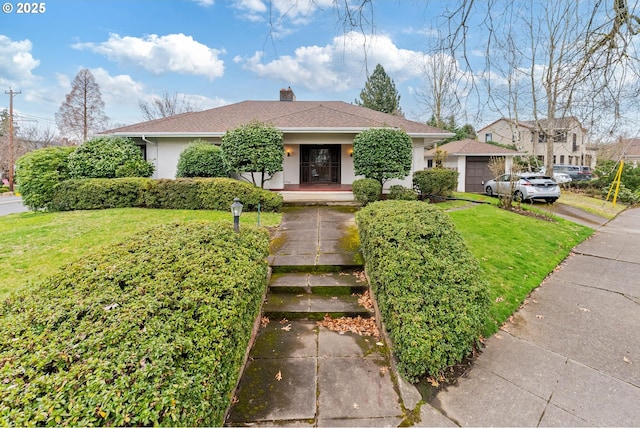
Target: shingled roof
{"type": "Point", "coordinates": [295, 116]}
{"type": "Point", "coordinates": [472, 147]}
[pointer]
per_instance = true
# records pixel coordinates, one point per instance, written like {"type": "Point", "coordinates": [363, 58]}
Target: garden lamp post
{"type": "Point", "coordinates": [236, 210]}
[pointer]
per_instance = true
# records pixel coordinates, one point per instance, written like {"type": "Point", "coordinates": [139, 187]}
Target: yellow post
{"type": "Point", "coordinates": [616, 181]}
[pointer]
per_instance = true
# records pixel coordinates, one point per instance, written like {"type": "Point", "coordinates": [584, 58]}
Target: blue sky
{"type": "Point", "coordinates": [214, 52]}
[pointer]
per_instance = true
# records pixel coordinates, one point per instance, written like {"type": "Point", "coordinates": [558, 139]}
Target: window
{"type": "Point", "coordinates": [554, 159]}
{"type": "Point", "coordinates": [143, 151]}
{"type": "Point", "coordinates": [429, 163]}
{"type": "Point", "coordinates": [561, 158]}
{"type": "Point", "coordinates": [575, 142]}
{"type": "Point", "coordinates": [488, 137]}
{"type": "Point", "coordinates": [542, 137]}
{"type": "Point", "coordinates": [541, 158]}
{"type": "Point", "coordinates": [560, 136]}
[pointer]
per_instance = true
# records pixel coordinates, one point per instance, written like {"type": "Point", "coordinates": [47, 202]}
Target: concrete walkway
{"type": "Point", "coordinates": [571, 355]}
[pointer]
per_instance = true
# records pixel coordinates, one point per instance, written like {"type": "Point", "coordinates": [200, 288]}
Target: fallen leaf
{"type": "Point", "coordinates": [284, 321]}
{"type": "Point", "coordinates": [235, 400]}
{"type": "Point", "coordinates": [585, 310]}
{"type": "Point", "coordinates": [626, 360]}
{"type": "Point", "coordinates": [358, 325]}
{"type": "Point", "coordinates": [499, 299]}
{"type": "Point", "coordinates": [264, 321]}
{"type": "Point", "coordinates": [279, 376]}
{"type": "Point", "coordinates": [498, 337]}
{"type": "Point", "coordinates": [356, 406]}
{"type": "Point", "coordinates": [379, 343]}
{"type": "Point", "coordinates": [384, 370]}
{"type": "Point", "coordinates": [286, 327]}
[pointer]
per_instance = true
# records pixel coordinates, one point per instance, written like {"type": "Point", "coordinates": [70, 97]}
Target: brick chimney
{"type": "Point", "coordinates": [287, 94]}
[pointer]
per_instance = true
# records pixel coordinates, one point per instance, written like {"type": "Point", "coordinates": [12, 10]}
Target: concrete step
{"type": "Point", "coordinates": [325, 283]}
{"type": "Point", "coordinates": [309, 306]}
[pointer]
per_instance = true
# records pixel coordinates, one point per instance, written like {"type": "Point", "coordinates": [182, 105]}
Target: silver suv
{"type": "Point", "coordinates": [527, 186]}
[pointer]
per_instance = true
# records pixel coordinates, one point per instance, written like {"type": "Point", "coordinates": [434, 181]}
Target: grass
{"type": "Point", "coordinates": [516, 252]}
{"type": "Point", "coordinates": [35, 245]}
{"type": "Point", "coordinates": [593, 205]}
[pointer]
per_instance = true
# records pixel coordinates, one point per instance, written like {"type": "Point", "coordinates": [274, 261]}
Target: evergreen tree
{"type": "Point", "coordinates": [380, 93]}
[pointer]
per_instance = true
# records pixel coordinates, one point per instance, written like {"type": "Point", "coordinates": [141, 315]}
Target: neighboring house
{"type": "Point", "coordinates": [626, 148]}
{"type": "Point", "coordinates": [471, 159]}
{"type": "Point", "coordinates": [570, 139]}
{"type": "Point", "coordinates": [318, 138]}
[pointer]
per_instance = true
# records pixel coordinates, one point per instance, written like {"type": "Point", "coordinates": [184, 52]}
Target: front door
{"type": "Point", "coordinates": [320, 164]}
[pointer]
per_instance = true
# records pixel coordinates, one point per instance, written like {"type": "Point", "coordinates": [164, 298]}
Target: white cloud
{"type": "Point", "coordinates": [280, 11]}
{"type": "Point", "coordinates": [204, 3]}
{"type": "Point", "coordinates": [176, 53]}
{"type": "Point", "coordinates": [118, 90]}
{"type": "Point", "coordinates": [16, 62]}
{"type": "Point", "coordinates": [340, 65]}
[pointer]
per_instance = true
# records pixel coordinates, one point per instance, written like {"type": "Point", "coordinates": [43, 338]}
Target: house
{"type": "Point", "coordinates": [570, 139]}
{"type": "Point", "coordinates": [627, 149]}
{"type": "Point", "coordinates": [318, 138]}
{"type": "Point", "coordinates": [471, 159]}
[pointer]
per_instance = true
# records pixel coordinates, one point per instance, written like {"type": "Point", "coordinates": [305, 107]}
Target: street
{"type": "Point", "coordinates": [11, 205]}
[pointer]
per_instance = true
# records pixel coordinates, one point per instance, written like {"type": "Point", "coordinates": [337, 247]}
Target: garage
{"type": "Point", "coordinates": [477, 172]}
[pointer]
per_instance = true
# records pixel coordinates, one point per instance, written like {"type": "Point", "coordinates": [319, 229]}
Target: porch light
{"type": "Point", "coordinates": [351, 153]}
{"type": "Point", "coordinates": [288, 152]}
{"type": "Point", "coordinates": [236, 210]}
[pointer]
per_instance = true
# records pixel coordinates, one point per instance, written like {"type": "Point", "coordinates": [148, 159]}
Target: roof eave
{"type": "Point", "coordinates": [285, 130]}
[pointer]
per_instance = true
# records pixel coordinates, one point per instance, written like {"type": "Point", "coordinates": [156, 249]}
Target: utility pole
{"type": "Point", "coordinates": [12, 161]}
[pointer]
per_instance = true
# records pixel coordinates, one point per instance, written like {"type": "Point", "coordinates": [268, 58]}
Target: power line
{"type": "Point", "coordinates": [11, 93]}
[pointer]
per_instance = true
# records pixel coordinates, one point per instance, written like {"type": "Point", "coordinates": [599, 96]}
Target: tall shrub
{"type": "Point", "coordinates": [428, 285]}
{"type": "Point", "coordinates": [102, 156]}
{"type": "Point", "coordinates": [382, 154]}
{"type": "Point", "coordinates": [202, 159]}
{"type": "Point", "coordinates": [38, 172]}
{"type": "Point", "coordinates": [255, 148]}
{"type": "Point", "coordinates": [366, 190]}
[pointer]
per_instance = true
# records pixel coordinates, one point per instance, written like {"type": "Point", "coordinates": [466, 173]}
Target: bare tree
{"type": "Point", "coordinates": [166, 105]}
{"type": "Point", "coordinates": [82, 113]}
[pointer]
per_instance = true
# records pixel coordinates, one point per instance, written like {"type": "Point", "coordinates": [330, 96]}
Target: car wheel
{"type": "Point", "coordinates": [517, 196]}
{"type": "Point", "coordinates": [551, 200]}
{"type": "Point", "coordinates": [489, 191]}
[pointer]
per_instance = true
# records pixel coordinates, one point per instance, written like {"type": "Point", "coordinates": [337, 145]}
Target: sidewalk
{"type": "Point", "coordinates": [571, 356]}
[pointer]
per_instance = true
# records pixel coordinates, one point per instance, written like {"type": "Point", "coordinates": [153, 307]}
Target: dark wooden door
{"type": "Point", "coordinates": [320, 164]}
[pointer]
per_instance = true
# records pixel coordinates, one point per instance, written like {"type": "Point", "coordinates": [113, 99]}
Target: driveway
{"type": "Point", "coordinates": [11, 205]}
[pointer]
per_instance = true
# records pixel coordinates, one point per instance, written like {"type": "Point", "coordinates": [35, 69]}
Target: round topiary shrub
{"type": "Point", "coordinates": [366, 190]}
{"type": "Point", "coordinates": [102, 156]}
{"type": "Point", "coordinates": [38, 172]}
{"type": "Point", "coordinates": [202, 159]}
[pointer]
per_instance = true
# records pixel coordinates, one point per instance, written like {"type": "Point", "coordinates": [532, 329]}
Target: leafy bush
{"type": "Point", "coordinates": [152, 331]}
{"type": "Point", "coordinates": [428, 286]}
{"type": "Point", "coordinates": [218, 194]}
{"type": "Point", "coordinates": [135, 168]}
{"type": "Point", "coordinates": [382, 154]}
{"type": "Point", "coordinates": [435, 182]}
{"type": "Point", "coordinates": [4, 189]}
{"type": "Point", "coordinates": [402, 193]}
{"type": "Point", "coordinates": [366, 190]}
{"type": "Point", "coordinates": [183, 193]}
{"type": "Point", "coordinates": [38, 172]}
{"type": "Point", "coordinates": [100, 193]}
{"type": "Point", "coordinates": [625, 195]}
{"type": "Point", "coordinates": [202, 159]}
{"type": "Point", "coordinates": [255, 148]}
{"type": "Point", "coordinates": [102, 156]}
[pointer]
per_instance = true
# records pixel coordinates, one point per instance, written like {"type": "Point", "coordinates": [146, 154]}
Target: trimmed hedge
{"type": "Point", "coordinates": [152, 331]}
{"type": "Point", "coordinates": [398, 191]}
{"type": "Point", "coordinates": [428, 285]}
{"type": "Point", "coordinates": [435, 182]}
{"type": "Point", "coordinates": [366, 190]}
{"type": "Point", "coordinates": [183, 193]}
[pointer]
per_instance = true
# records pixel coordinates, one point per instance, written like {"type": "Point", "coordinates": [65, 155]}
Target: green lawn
{"type": "Point", "coordinates": [33, 245]}
{"type": "Point", "coordinates": [516, 252]}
